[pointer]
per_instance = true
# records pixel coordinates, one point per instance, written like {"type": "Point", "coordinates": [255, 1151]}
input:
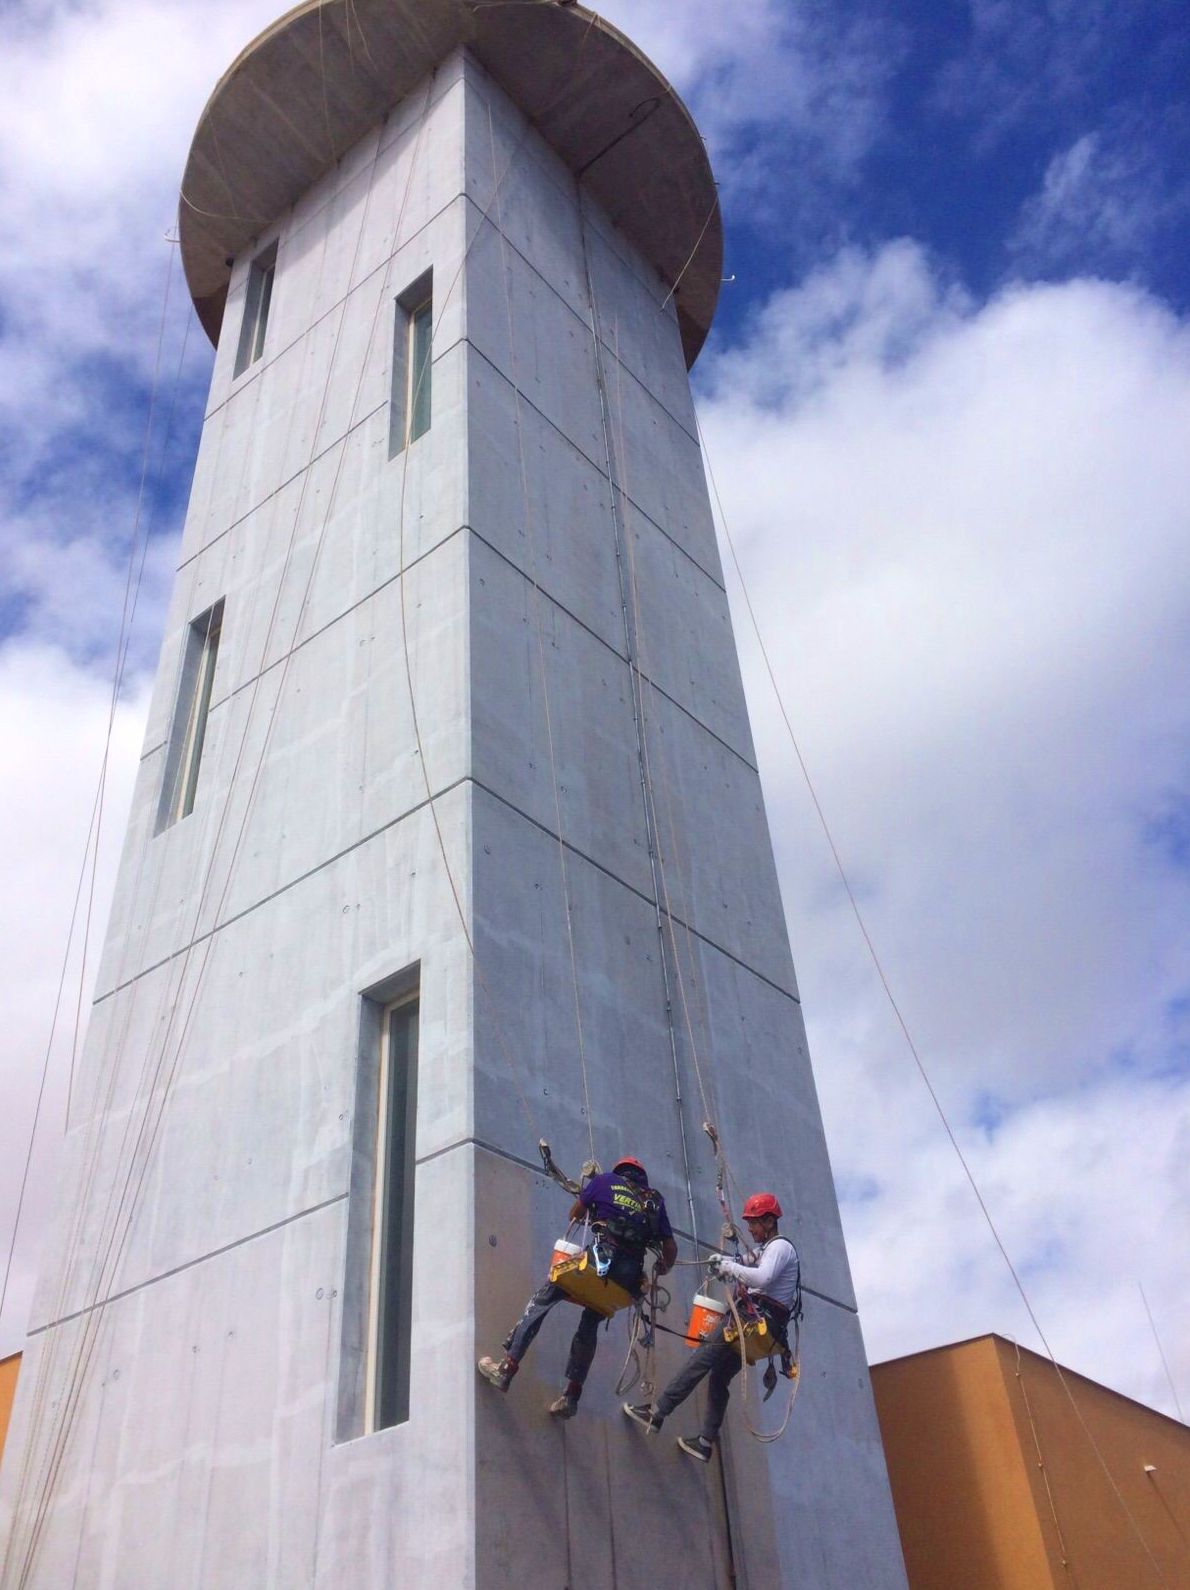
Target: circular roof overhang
{"type": "Point", "coordinates": [324, 74]}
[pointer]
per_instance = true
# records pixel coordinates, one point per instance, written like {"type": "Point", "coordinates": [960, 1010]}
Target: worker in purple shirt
{"type": "Point", "coordinates": [628, 1218]}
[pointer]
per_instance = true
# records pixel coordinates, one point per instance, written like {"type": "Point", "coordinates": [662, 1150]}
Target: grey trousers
{"type": "Point", "coordinates": [625, 1271]}
{"type": "Point", "coordinates": [716, 1359]}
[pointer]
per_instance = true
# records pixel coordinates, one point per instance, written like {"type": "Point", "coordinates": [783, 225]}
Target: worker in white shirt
{"type": "Point", "coordinates": [769, 1284]}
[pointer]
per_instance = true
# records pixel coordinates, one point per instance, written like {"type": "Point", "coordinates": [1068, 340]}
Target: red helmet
{"type": "Point", "coordinates": [629, 1163]}
{"type": "Point", "coordinates": [762, 1204]}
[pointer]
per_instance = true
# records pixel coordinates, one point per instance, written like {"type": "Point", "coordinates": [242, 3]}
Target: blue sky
{"type": "Point", "coordinates": [947, 403]}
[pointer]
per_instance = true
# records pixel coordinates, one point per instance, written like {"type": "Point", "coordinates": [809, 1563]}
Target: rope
{"type": "Point", "coordinates": [115, 1044]}
{"type": "Point", "coordinates": [677, 281]}
{"type": "Point", "coordinates": [1049, 1495]}
{"type": "Point", "coordinates": [766, 1438]}
{"type": "Point", "coordinates": [543, 671]}
{"type": "Point", "coordinates": [493, 1009]}
{"type": "Point", "coordinates": [1173, 1390]}
{"type": "Point", "coordinates": [485, 990]}
{"type": "Point", "coordinates": [636, 696]}
{"type": "Point", "coordinates": [723, 1170]}
{"type": "Point", "coordinates": [131, 594]}
{"type": "Point", "coordinates": [896, 1009]}
{"type": "Point", "coordinates": [326, 104]}
{"type": "Point", "coordinates": [657, 1301]}
{"type": "Point", "coordinates": [94, 1316]}
{"type": "Point", "coordinates": [133, 581]}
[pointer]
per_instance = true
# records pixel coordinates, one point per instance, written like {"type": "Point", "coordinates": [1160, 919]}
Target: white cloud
{"type": "Point", "coordinates": [1088, 1191]}
{"type": "Point", "coordinates": [798, 69]}
{"type": "Point", "coordinates": [962, 525]}
{"type": "Point", "coordinates": [53, 725]}
{"type": "Point", "coordinates": [1100, 199]}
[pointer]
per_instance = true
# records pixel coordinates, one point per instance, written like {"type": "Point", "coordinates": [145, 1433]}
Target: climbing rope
{"type": "Point", "coordinates": [542, 669]}
{"type": "Point", "coordinates": [904, 1026]}
{"type": "Point", "coordinates": [110, 1251]}
{"type": "Point", "coordinates": [636, 696]}
{"type": "Point", "coordinates": [90, 859]}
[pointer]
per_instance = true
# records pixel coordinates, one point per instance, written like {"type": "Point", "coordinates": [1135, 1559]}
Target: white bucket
{"type": "Point", "coordinates": [564, 1250]}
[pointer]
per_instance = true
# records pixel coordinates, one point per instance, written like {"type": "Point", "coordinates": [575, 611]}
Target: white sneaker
{"type": "Point", "coordinates": [497, 1374]}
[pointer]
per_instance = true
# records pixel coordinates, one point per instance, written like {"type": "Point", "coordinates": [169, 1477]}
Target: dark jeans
{"type": "Point", "coordinates": [715, 1358]}
{"type": "Point", "coordinates": [626, 1271]}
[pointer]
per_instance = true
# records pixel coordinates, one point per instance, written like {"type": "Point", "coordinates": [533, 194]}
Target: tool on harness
{"type": "Point", "coordinates": [602, 1256]}
{"type": "Point", "coordinates": [766, 1336]}
{"type": "Point", "coordinates": [790, 1370]}
{"type": "Point", "coordinates": [759, 1341]}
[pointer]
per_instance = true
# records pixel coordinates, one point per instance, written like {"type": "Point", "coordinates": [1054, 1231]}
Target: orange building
{"type": "Point", "coordinates": [9, 1369]}
{"type": "Point", "coordinates": [1007, 1476]}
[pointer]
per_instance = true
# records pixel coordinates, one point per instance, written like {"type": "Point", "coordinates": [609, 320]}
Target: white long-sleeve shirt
{"type": "Point", "coordinates": [774, 1269]}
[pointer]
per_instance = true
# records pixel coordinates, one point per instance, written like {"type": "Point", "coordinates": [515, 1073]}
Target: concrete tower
{"type": "Point", "coordinates": [448, 834]}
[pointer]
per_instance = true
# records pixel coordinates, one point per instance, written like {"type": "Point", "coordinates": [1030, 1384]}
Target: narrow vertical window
{"type": "Point", "coordinates": [188, 735]}
{"type": "Point", "coordinates": [256, 308]}
{"type": "Point", "coordinates": [391, 1307]}
{"type": "Point", "coordinates": [413, 358]}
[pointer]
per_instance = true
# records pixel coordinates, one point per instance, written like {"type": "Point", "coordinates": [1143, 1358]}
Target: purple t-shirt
{"type": "Point", "coordinates": [612, 1197]}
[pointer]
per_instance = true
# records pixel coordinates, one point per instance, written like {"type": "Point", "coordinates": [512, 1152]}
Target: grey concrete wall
{"type": "Point", "coordinates": [201, 1429]}
{"type": "Point", "coordinates": [555, 756]}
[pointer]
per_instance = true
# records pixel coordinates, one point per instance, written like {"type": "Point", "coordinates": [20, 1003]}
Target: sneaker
{"type": "Point", "coordinates": [694, 1446]}
{"type": "Point", "coordinates": [643, 1413]}
{"type": "Point", "coordinates": [564, 1407]}
{"type": "Point", "coordinates": [498, 1374]}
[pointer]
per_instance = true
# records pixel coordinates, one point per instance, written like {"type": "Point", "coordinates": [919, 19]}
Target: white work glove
{"type": "Point", "coordinates": [715, 1264]}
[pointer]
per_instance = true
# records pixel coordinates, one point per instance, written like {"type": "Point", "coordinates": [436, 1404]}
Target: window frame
{"type": "Point", "coordinates": [388, 1346]}
{"type": "Point", "coordinates": [192, 711]}
{"type": "Point", "coordinates": [411, 387]}
{"type": "Point", "coordinates": [258, 299]}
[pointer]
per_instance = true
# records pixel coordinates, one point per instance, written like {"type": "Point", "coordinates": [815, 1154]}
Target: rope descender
{"type": "Point", "coordinates": [590, 1168]}
{"type": "Point", "coordinates": [729, 1232]}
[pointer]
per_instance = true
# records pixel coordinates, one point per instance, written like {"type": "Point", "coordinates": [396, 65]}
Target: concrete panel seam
{"type": "Point", "coordinates": [491, 1148]}
{"type": "Point", "coordinates": [364, 419]}
{"type": "Point", "coordinates": [303, 877]}
{"type": "Point", "coordinates": [615, 651]}
{"type": "Point", "coordinates": [561, 298]}
{"type": "Point", "coordinates": [338, 618]}
{"type": "Point", "coordinates": [315, 458]}
{"type": "Point", "coordinates": [219, 701]}
{"type": "Point", "coordinates": [235, 387]}
{"type": "Point", "coordinates": [365, 839]}
{"type": "Point", "coordinates": [191, 1264]}
{"type": "Point", "coordinates": [834, 1302]}
{"type": "Point", "coordinates": [645, 899]}
{"type": "Point", "coordinates": [600, 469]}
{"type": "Point", "coordinates": [563, 184]}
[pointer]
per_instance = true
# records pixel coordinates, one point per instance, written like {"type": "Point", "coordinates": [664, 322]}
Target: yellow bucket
{"type": "Point", "coordinates": [705, 1314]}
{"type": "Point", "coordinates": [578, 1279]}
